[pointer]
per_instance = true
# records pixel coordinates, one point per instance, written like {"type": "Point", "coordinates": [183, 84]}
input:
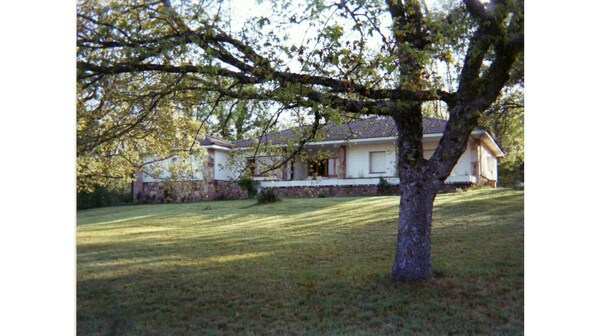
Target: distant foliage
{"type": "Point", "coordinates": [103, 197]}
{"type": "Point", "coordinates": [511, 171]}
{"type": "Point", "coordinates": [505, 120]}
{"type": "Point", "coordinates": [267, 196]}
{"type": "Point", "coordinates": [249, 184]}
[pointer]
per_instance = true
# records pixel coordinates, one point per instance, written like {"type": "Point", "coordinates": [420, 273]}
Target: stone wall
{"type": "Point", "coordinates": [329, 191]}
{"type": "Point", "coordinates": [452, 187]}
{"type": "Point", "coordinates": [175, 192]}
{"type": "Point", "coordinates": [353, 190]}
{"type": "Point", "coordinates": [190, 191]}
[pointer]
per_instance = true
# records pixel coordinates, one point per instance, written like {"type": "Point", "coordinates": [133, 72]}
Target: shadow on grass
{"type": "Point", "coordinates": [323, 271]}
{"type": "Point", "coordinates": [289, 206]}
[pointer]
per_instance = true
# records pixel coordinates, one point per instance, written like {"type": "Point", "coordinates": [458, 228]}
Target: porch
{"type": "Point", "coordinates": [333, 182]}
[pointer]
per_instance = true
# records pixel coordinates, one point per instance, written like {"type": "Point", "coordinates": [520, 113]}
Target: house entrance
{"type": "Point", "coordinates": [319, 168]}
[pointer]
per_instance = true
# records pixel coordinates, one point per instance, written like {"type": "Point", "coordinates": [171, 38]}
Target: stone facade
{"type": "Point", "coordinates": [353, 190]}
{"type": "Point", "coordinates": [329, 191]}
{"type": "Point", "coordinates": [175, 192]}
{"type": "Point", "coordinates": [192, 191]}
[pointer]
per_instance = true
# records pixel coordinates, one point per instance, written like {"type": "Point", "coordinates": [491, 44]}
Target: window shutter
{"type": "Point", "coordinates": [377, 162]}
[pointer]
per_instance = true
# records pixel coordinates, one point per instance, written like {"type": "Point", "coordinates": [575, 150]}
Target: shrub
{"type": "Point", "coordinates": [222, 197]}
{"type": "Point", "coordinates": [511, 171]}
{"type": "Point", "coordinates": [102, 197]}
{"type": "Point", "coordinates": [249, 184]}
{"type": "Point", "coordinates": [267, 196]}
{"type": "Point", "coordinates": [168, 195]}
{"type": "Point", "coordinates": [383, 186]}
{"type": "Point", "coordinates": [520, 186]}
{"type": "Point", "coordinates": [321, 194]}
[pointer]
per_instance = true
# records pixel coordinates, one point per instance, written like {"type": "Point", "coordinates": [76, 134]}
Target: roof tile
{"type": "Point", "coordinates": [375, 127]}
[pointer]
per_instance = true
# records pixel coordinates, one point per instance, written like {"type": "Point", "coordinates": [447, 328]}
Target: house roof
{"type": "Point", "coordinates": [376, 127]}
{"type": "Point", "coordinates": [213, 141]}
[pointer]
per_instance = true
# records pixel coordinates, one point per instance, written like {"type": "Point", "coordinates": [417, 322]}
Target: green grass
{"type": "Point", "coordinates": [298, 267]}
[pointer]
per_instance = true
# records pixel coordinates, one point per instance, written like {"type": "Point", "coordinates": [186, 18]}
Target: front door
{"type": "Point", "coordinates": [319, 168]}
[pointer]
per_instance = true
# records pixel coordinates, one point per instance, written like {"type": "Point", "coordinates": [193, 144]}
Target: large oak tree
{"type": "Point", "coordinates": [151, 73]}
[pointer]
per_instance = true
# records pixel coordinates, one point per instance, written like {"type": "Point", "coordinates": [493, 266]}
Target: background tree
{"type": "Point", "coordinates": [505, 120]}
{"type": "Point", "coordinates": [159, 66]}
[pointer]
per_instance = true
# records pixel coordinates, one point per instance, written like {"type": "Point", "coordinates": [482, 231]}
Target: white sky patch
{"type": "Point", "coordinates": [238, 12]}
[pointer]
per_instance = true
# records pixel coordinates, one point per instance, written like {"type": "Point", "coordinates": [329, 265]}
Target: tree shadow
{"type": "Point", "coordinates": [323, 271]}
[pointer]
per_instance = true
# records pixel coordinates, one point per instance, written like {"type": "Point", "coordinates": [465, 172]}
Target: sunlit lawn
{"type": "Point", "coordinates": [298, 267]}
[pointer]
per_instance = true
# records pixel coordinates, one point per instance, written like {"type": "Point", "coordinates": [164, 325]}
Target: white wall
{"type": "Point", "coordinates": [358, 159]}
{"type": "Point", "coordinates": [222, 168]}
{"type": "Point", "coordinates": [234, 168]}
{"type": "Point", "coordinates": [194, 166]}
{"type": "Point", "coordinates": [463, 166]}
{"type": "Point", "coordinates": [357, 163]}
{"type": "Point", "coordinates": [488, 163]}
{"type": "Point", "coordinates": [300, 170]}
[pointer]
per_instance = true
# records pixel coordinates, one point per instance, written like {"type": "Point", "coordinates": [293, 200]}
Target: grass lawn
{"type": "Point", "coordinates": [298, 267]}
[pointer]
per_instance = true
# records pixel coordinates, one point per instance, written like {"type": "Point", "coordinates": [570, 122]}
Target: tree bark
{"type": "Point", "coordinates": [413, 259]}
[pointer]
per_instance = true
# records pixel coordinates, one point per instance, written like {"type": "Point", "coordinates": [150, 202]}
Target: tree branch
{"type": "Point", "coordinates": [477, 92]}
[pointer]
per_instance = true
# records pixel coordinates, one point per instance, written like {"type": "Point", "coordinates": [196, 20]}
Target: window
{"type": "Point", "coordinates": [490, 165]}
{"type": "Point", "coordinates": [251, 166]}
{"type": "Point", "coordinates": [318, 168]}
{"type": "Point", "coordinates": [331, 167]}
{"type": "Point", "coordinates": [377, 162]}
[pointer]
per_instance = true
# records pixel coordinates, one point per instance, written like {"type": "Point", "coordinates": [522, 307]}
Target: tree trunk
{"type": "Point", "coordinates": [413, 260]}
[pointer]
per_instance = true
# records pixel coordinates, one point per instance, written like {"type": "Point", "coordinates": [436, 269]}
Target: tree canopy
{"type": "Point", "coordinates": [154, 75]}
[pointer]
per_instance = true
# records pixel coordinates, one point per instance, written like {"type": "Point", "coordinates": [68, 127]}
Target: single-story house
{"type": "Point", "coordinates": [349, 159]}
